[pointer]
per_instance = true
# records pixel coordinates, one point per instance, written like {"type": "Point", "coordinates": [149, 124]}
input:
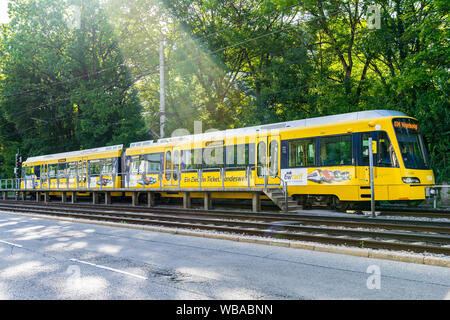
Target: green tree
{"type": "Point", "coordinates": [65, 88]}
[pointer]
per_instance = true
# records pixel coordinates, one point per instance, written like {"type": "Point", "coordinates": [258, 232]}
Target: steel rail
{"type": "Point", "coordinates": [420, 214]}
{"type": "Point", "coordinates": [283, 231]}
{"type": "Point", "coordinates": [351, 222]}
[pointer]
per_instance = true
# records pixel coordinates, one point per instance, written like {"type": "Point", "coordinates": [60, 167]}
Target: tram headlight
{"type": "Point", "coordinates": [411, 180]}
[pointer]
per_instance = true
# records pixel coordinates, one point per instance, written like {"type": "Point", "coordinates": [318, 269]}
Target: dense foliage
{"type": "Point", "coordinates": [63, 87]}
{"type": "Point", "coordinates": [228, 63]}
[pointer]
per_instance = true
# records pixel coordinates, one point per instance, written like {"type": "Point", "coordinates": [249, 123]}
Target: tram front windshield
{"type": "Point", "coordinates": [412, 146]}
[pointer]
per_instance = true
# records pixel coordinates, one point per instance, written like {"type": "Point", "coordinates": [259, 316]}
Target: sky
{"type": "Point", "coordinates": [4, 11]}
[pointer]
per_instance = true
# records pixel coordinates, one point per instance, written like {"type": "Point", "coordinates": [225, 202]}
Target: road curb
{"type": "Point", "coordinates": [367, 253]}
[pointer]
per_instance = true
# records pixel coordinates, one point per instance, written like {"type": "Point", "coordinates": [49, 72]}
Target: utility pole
{"type": "Point", "coordinates": [17, 172]}
{"type": "Point", "coordinates": [372, 187]}
{"type": "Point", "coordinates": [162, 95]}
{"type": "Point", "coordinates": [16, 166]}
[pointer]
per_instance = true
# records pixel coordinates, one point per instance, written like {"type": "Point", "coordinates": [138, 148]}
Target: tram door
{"type": "Point", "coordinates": [363, 173]}
{"type": "Point", "coordinates": [170, 174]}
{"type": "Point", "coordinates": [176, 172]}
{"type": "Point", "coordinates": [82, 173]}
{"type": "Point", "coordinates": [268, 160]}
{"type": "Point", "coordinates": [44, 176]}
{"type": "Point", "coordinates": [363, 169]}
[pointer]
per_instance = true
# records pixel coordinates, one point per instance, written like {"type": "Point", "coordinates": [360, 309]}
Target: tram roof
{"type": "Point", "coordinates": [352, 116]}
{"type": "Point", "coordinates": [75, 153]}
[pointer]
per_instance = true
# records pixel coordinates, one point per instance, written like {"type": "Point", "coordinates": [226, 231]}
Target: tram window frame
{"type": "Point", "coordinates": [62, 170]}
{"type": "Point", "coordinates": [213, 166]}
{"type": "Point", "coordinates": [190, 166]}
{"type": "Point", "coordinates": [52, 170]}
{"type": "Point", "coordinates": [168, 165]}
{"type": "Point", "coordinates": [44, 171]}
{"type": "Point", "coordinates": [364, 149]}
{"type": "Point", "coordinates": [175, 164]}
{"type": "Point", "coordinates": [390, 149]}
{"type": "Point", "coordinates": [302, 142]}
{"type": "Point", "coordinates": [37, 172]}
{"type": "Point", "coordinates": [234, 163]}
{"type": "Point", "coordinates": [411, 144]}
{"type": "Point", "coordinates": [363, 159]}
{"type": "Point", "coordinates": [30, 172]}
{"type": "Point", "coordinates": [273, 154]}
{"type": "Point", "coordinates": [108, 162]}
{"type": "Point", "coordinates": [338, 150]}
{"type": "Point", "coordinates": [93, 164]}
{"type": "Point", "coordinates": [72, 169]}
{"type": "Point", "coordinates": [261, 159]}
{"type": "Point", "coordinates": [151, 164]}
{"type": "Point", "coordinates": [140, 168]}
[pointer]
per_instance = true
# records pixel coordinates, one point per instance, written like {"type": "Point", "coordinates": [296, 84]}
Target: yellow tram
{"type": "Point", "coordinates": [85, 169]}
{"type": "Point", "coordinates": [320, 160]}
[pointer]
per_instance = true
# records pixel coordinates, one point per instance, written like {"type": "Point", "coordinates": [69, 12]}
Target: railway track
{"type": "Point", "coordinates": [438, 214]}
{"type": "Point", "coordinates": [379, 233]}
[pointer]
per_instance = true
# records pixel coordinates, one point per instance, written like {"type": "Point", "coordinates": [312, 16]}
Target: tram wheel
{"type": "Point", "coordinates": [414, 203]}
{"type": "Point", "coordinates": [339, 205]}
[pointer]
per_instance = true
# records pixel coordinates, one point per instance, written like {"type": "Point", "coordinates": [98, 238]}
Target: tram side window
{"type": "Point", "coordinates": [336, 150]}
{"type": "Point", "coordinates": [213, 157]}
{"type": "Point", "coordinates": [176, 163]}
{"type": "Point", "coordinates": [302, 153]}
{"type": "Point", "coordinates": [261, 158]}
{"type": "Point", "coordinates": [31, 172]}
{"type": "Point", "coordinates": [238, 156]}
{"type": "Point", "coordinates": [386, 153]}
{"type": "Point", "coordinates": [168, 165]}
{"type": "Point", "coordinates": [44, 171]}
{"type": "Point", "coordinates": [153, 162]}
{"type": "Point", "coordinates": [94, 167]}
{"type": "Point", "coordinates": [72, 169]}
{"type": "Point", "coordinates": [52, 169]}
{"type": "Point", "coordinates": [365, 149]}
{"type": "Point", "coordinates": [62, 170]}
{"type": "Point", "coordinates": [273, 158]}
{"type": "Point", "coordinates": [37, 172]}
{"type": "Point", "coordinates": [191, 159]}
{"type": "Point", "coordinates": [107, 167]}
{"type": "Point", "coordinates": [137, 165]}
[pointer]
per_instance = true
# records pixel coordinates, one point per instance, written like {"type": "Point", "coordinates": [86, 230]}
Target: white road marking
{"type": "Point", "coordinates": [110, 269]}
{"type": "Point", "coordinates": [11, 244]}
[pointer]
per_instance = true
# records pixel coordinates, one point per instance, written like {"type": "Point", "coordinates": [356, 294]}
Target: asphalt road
{"type": "Point", "coordinates": [48, 259]}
